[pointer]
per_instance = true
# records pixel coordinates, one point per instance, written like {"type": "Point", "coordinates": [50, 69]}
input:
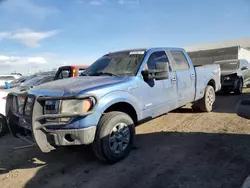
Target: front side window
{"type": "Point", "coordinates": [157, 57]}
{"type": "Point", "coordinates": [124, 63]}
{"type": "Point", "coordinates": [180, 61]}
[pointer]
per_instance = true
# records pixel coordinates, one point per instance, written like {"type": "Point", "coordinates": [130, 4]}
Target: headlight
{"type": "Point", "coordinates": [75, 107]}
{"type": "Point", "coordinates": [227, 78]}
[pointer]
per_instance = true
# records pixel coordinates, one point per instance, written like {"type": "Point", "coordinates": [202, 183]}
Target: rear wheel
{"type": "Point", "coordinates": [3, 125]}
{"type": "Point", "coordinates": [239, 88]}
{"type": "Point", "coordinates": [206, 103]}
{"type": "Point", "coordinates": [114, 137]}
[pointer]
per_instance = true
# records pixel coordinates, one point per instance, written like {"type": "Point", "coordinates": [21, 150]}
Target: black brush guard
{"type": "Point", "coordinates": [34, 127]}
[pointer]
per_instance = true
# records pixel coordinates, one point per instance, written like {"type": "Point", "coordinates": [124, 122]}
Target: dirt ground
{"type": "Point", "coordinates": [183, 149]}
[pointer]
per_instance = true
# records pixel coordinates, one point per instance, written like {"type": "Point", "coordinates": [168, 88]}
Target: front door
{"type": "Point", "coordinates": [245, 72]}
{"type": "Point", "coordinates": [185, 78]}
{"type": "Point", "coordinates": [160, 95]}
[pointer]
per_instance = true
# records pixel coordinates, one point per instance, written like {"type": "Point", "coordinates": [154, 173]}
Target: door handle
{"type": "Point", "coordinates": [192, 75]}
{"type": "Point", "coordinates": [173, 79]}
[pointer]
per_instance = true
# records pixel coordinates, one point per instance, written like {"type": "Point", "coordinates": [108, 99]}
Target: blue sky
{"type": "Point", "coordinates": [39, 34]}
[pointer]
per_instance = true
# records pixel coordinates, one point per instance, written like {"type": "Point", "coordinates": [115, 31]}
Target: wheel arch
{"type": "Point", "coordinates": [212, 83]}
{"type": "Point", "coordinates": [124, 107]}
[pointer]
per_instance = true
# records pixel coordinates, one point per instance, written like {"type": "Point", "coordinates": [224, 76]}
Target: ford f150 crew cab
{"type": "Point", "coordinates": [117, 92]}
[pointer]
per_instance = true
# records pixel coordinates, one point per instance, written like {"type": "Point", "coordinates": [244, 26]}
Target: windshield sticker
{"type": "Point", "coordinates": [136, 52]}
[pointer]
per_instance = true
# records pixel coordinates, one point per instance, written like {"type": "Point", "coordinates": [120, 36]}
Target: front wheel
{"type": "Point", "coordinates": [239, 88]}
{"type": "Point", "coordinates": [114, 137]}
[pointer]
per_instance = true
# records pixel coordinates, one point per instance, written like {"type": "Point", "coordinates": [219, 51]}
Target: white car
{"type": "Point", "coordinates": [3, 123]}
{"type": "Point", "coordinates": [6, 78]}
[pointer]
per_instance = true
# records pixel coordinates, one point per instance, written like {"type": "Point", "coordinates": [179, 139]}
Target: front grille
{"type": "Point", "coordinates": [52, 107]}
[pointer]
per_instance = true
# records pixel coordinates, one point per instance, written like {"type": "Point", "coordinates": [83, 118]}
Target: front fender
{"type": "Point", "coordinates": [115, 97]}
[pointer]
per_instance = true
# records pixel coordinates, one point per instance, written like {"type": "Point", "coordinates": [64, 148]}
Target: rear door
{"type": "Point", "coordinates": [185, 74]}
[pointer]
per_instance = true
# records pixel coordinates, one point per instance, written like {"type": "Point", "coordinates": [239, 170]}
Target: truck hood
{"type": "Point", "coordinates": [228, 72]}
{"type": "Point", "coordinates": [75, 85]}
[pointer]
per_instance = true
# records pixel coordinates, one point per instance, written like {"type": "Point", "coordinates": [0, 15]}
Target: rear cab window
{"type": "Point", "coordinates": [180, 61]}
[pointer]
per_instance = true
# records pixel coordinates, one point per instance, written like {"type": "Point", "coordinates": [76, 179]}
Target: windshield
{"type": "Point", "coordinates": [228, 65]}
{"type": "Point", "coordinates": [118, 64]}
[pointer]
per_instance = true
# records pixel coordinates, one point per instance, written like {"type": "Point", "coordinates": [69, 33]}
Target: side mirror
{"type": "Point", "coordinates": [160, 73]}
{"type": "Point", "coordinates": [244, 68]}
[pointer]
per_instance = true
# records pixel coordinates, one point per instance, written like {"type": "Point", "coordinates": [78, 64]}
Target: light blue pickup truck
{"type": "Point", "coordinates": [117, 92]}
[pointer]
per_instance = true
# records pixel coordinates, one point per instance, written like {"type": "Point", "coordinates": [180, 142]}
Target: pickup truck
{"type": "Point", "coordinates": [117, 92]}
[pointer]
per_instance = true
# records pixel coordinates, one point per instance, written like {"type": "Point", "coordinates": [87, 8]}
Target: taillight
{"type": "Point", "coordinates": [4, 98]}
{"type": "Point", "coordinates": [74, 72]}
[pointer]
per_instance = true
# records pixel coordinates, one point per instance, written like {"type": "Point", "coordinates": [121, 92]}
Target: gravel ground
{"type": "Point", "coordinates": [183, 149]}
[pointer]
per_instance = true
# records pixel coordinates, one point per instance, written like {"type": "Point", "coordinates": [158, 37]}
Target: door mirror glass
{"type": "Point", "coordinates": [244, 68]}
{"type": "Point", "coordinates": [160, 73]}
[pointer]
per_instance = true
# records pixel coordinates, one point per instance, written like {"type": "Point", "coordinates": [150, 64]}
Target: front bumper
{"type": "Point", "coordinates": [45, 134]}
{"type": "Point", "coordinates": [67, 137]}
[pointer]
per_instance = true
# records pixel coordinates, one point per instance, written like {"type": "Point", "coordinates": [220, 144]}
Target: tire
{"type": "Point", "coordinates": [206, 103]}
{"type": "Point", "coordinates": [3, 126]}
{"type": "Point", "coordinates": [243, 108]}
{"type": "Point", "coordinates": [110, 136]}
{"type": "Point", "coordinates": [196, 106]}
{"type": "Point", "coordinates": [239, 88]}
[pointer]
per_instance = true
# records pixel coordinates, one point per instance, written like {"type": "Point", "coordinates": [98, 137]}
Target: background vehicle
{"type": "Point", "coordinates": [117, 92]}
{"type": "Point", "coordinates": [36, 81]}
{"type": "Point", "coordinates": [5, 78]}
{"type": "Point", "coordinates": [17, 75]}
{"type": "Point", "coordinates": [234, 75]}
{"type": "Point", "coordinates": [70, 71]}
{"type": "Point", "coordinates": [17, 82]}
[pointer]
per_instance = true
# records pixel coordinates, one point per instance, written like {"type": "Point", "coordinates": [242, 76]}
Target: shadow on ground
{"type": "Point", "coordinates": [163, 159]}
{"type": "Point", "coordinates": [225, 103]}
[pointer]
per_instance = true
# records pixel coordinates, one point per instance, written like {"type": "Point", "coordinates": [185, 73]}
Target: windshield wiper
{"type": "Point", "coordinates": [108, 73]}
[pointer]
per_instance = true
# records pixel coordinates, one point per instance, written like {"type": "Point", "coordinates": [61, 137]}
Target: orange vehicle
{"type": "Point", "coordinates": [70, 71]}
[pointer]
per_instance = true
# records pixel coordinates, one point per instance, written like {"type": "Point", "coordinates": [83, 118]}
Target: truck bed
{"type": "Point", "coordinates": [205, 73]}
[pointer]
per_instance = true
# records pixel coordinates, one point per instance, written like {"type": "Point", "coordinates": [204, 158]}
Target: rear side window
{"type": "Point", "coordinates": [155, 57]}
{"type": "Point", "coordinates": [180, 61]}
